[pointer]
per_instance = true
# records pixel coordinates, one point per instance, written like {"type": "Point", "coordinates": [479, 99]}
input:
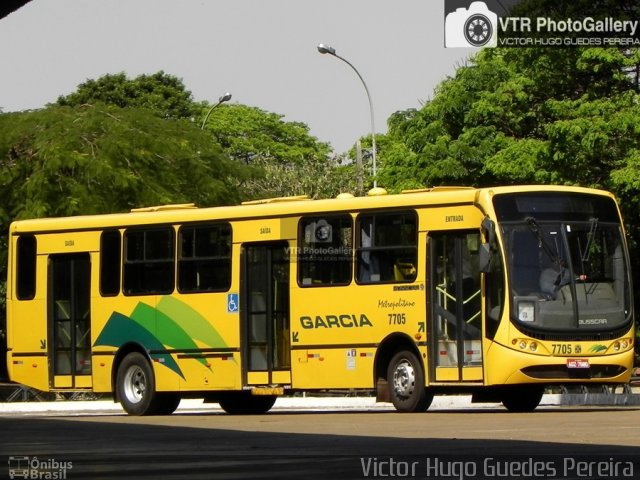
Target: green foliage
{"type": "Point", "coordinates": [246, 133]}
{"type": "Point", "coordinates": [522, 115]}
{"type": "Point", "coordinates": [164, 94]}
{"type": "Point", "coordinates": [285, 158]}
{"type": "Point", "coordinates": [97, 159]}
{"type": "Point", "coordinates": [318, 178]}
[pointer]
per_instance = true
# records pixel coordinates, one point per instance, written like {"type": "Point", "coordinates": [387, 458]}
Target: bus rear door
{"type": "Point", "coordinates": [264, 310]}
{"type": "Point", "coordinates": [69, 322]}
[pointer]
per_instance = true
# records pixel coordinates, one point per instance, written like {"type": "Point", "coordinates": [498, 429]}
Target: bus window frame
{"type": "Point", "coordinates": [305, 222]}
{"type": "Point", "coordinates": [207, 259]}
{"type": "Point", "coordinates": [21, 278]}
{"type": "Point", "coordinates": [110, 263]}
{"type": "Point", "coordinates": [358, 248]}
{"type": "Point", "coordinates": [146, 261]}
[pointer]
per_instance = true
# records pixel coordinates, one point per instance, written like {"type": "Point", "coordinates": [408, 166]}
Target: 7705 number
{"type": "Point", "coordinates": [561, 349]}
{"type": "Point", "coordinates": [397, 319]}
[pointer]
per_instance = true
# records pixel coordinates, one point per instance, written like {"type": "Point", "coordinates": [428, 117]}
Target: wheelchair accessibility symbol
{"type": "Point", "coordinates": [232, 302]}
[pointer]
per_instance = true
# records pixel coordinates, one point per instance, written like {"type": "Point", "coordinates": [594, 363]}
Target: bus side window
{"type": "Point", "coordinates": [110, 262]}
{"type": "Point", "coordinates": [204, 262]}
{"type": "Point", "coordinates": [325, 246]}
{"type": "Point", "coordinates": [26, 267]}
{"type": "Point", "coordinates": [149, 261]}
{"type": "Point", "coordinates": [387, 248]}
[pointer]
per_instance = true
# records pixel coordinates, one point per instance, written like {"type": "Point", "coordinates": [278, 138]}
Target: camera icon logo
{"type": "Point", "coordinates": [319, 232]}
{"type": "Point", "coordinates": [472, 27]}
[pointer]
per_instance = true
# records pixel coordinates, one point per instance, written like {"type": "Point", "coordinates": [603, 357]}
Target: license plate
{"type": "Point", "coordinates": [577, 363]}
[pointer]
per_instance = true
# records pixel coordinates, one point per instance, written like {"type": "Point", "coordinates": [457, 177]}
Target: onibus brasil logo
{"type": "Point", "coordinates": [35, 468]}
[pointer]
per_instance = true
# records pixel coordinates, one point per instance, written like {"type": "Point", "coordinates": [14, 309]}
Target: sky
{"type": "Point", "coordinates": [263, 52]}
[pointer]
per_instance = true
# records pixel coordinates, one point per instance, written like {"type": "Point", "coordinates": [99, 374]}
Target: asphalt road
{"type": "Point", "coordinates": [554, 442]}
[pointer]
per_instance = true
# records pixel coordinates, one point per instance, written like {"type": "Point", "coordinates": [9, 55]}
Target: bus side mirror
{"type": "Point", "coordinates": [489, 230]}
{"type": "Point", "coordinates": [485, 254]}
{"type": "Point", "coordinates": [484, 258]}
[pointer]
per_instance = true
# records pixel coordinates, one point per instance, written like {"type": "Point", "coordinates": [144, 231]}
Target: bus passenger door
{"type": "Point", "coordinates": [455, 331]}
{"type": "Point", "coordinates": [264, 310]}
{"type": "Point", "coordinates": [69, 320]}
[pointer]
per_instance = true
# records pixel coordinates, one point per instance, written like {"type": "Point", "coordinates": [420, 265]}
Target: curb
{"type": "Point", "coordinates": [444, 402]}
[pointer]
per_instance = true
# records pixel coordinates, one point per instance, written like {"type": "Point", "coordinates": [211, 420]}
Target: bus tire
{"type": "Point", "coordinates": [522, 398]}
{"type": "Point", "coordinates": [135, 385]}
{"type": "Point", "coordinates": [243, 403]}
{"type": "Point", "coordinates": [406, 383]}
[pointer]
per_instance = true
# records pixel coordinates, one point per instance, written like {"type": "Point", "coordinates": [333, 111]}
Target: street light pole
{"type": "Point", "coordinates": [224, 98]}
{"type": "Point", "coordinates": [322, 48]}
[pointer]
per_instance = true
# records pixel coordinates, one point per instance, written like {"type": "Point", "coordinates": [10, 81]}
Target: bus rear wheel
{"type": "Point", "coordinates": [406, 383]}
{"type": "Point", "coordinates": [243, 403]}
{"type": "Point", "coordinates": [135, 386]}
{"type": "Point", "coordinates": [522, 398]}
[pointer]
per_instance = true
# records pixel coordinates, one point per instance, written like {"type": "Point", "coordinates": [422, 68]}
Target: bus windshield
{"type": "Point", "coordinates": [567, 262]}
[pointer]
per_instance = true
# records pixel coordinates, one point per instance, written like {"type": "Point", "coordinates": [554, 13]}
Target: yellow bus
{"type": "Point", "coordinates": [495, 292]}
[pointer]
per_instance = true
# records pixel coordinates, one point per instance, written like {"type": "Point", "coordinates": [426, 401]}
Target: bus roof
{"type": "Point", "coordinates": [279, 207]}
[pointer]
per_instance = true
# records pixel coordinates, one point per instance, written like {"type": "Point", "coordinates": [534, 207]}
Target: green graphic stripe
{"type": "Point", "coordinates": [172, 324]}
{"type": "Point", "coordinates": [193, 323]}
{"type": "Point", "coordinates": [121, 329]}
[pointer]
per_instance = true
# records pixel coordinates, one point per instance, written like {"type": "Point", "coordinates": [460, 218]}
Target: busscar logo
{"type": "Point", "coordinates": [476, 26]}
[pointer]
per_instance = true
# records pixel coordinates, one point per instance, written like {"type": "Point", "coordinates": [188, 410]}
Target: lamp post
{"type": "Point", "coordinates": [224, 98]}
{"type": "Point", "coordinates": [322, 48]}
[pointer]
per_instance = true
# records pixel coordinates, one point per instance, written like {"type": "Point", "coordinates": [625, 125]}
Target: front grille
{"type": "Point", "coordinates": [561, 372]}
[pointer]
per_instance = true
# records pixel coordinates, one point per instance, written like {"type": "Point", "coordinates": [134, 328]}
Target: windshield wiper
{"type": "Point", "coordinates": [584, 256]}
{"type": "Point", "coordinates": [590, 236]}
{"type": "Point", "coordinates": [542, 243]}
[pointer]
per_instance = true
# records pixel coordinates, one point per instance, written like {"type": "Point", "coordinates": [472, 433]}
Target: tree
{"type": "Point", "coordinates": [513, 115]}
{"type": "Point", "coordinates": [286, 159]}
{"type": "Point", "coordinates": [162, 93]}
{"type": "Point", "coordinates": [317, 178]}
{"type": "Point", "coordinates": [279, 156]}
{"type": "Point", "coordinates": [98, 159]}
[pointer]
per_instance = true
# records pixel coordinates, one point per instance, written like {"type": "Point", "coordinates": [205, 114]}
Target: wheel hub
{"type": "Point", "coordinates": [135, 384]}
{"type": "Point", "coordinates": [404, 379]}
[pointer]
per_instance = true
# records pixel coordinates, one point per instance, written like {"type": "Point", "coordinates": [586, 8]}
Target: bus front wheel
{"type": "Point", "coordinates": [406, 383]}
{"type": "Point", "coordinates": [135, 385]}
{"type": "Point", "coordinates": [522, 398]}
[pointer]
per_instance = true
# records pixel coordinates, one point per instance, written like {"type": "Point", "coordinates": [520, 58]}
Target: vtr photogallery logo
{"type": "Point", "coordinates": [475, 26]}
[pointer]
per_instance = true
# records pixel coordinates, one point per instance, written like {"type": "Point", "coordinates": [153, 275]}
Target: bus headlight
{"type": "Point", "coordinates": [526, 311]}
